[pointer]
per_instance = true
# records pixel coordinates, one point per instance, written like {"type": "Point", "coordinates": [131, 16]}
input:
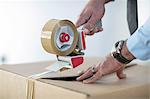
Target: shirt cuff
{"type": "Point", "coordinates": [139, 44]}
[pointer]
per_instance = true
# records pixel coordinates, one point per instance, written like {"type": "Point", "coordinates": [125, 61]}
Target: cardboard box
{"type": "Point", "coordinates": [16, 84]}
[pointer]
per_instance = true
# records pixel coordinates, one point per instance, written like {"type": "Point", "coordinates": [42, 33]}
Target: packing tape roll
{"type": "Point", "coordinates": [50, 38]}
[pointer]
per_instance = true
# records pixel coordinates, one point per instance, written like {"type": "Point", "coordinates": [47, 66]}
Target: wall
{"type": "Point", "coordinates": [21, 22]}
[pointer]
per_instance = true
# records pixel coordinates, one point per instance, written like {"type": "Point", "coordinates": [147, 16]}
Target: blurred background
{"type": "Point", "coordinates": [21, 22]}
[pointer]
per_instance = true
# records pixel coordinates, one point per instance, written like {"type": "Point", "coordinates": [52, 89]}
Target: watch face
{"type": "Point", "coordinates": [116, 44]}
{"type": "Point", "coordinates": [115, 54]}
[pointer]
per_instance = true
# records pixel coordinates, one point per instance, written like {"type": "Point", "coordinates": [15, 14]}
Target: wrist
{"type": "Point", "coordinates": [121, 53]}
{"type": "Point", "coordinates": [126, 53]}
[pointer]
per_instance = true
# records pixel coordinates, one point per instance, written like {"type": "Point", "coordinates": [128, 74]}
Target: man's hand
{"type": "Point", "coordinates": [91, 14]}
{"type": "Point", "coordinates": [106, 66]}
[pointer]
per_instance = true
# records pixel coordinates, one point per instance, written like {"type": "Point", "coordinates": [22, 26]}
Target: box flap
{"type": "Point", "coordinates": [137, 80]}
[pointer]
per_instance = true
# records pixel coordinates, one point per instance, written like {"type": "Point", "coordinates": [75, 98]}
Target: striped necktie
{"type": "Point", "coordinates": [132, 15]}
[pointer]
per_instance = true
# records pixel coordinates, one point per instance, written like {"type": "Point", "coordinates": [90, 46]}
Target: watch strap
{"type": "Point", "coordinates": [117, 54]}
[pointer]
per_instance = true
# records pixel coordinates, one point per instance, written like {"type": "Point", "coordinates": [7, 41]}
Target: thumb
{"type": "Point", "coordinates": [80, 22]}
{"type": "Point", "coordinates": [83, 18]}
{"type": "Point", "coordinates": [120, 73]}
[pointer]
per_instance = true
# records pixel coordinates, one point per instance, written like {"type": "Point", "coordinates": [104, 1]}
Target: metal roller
{"type": "Point", "coordinates": [59, 37]}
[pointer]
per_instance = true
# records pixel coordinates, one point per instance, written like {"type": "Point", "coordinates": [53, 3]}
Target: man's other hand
{"type": "Point", "coordinates": [91, 14]}
{"type": "Point", "coordinates": [106, 66]}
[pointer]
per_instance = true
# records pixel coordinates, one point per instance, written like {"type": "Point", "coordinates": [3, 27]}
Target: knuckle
{"type": "Point", "coordinates": [89, 26]}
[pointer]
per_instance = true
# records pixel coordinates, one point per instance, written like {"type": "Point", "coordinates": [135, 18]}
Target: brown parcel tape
{"type": "Point", "coordinates": [14, 84]}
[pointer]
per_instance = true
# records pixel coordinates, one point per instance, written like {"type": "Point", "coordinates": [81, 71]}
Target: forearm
{"type": "Point", "coordinates": [138, 45]}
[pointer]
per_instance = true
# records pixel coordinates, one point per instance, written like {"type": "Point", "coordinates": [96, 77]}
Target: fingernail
{"type": "Point", "coordinates": [98, 29]}
{"type": "Point", "coordinates": [86, 31]}
{"type": "Point", "coordinates": [101, 29]}
{"type": "Point", "coordinates": [77, 24]}
{"type": "Point", "coordinates": [78, 78]}
{"type": "Point", "coordinates": [123, 76]}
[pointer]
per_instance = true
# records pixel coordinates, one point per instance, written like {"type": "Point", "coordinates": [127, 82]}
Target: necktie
{"type": "Point", "coordinates": [132, 15]}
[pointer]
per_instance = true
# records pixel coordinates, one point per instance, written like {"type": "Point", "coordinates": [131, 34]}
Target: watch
{"type": "Point", "coordinates": [117, 53]}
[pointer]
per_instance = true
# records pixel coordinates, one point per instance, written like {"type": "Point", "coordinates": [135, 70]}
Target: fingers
{"type": "Point", "coordinates": [90, 16]}
{"type": "Point", "coordinates": [88, 73]}
{"type": "Point", "coordinates": [90, 25]}
{"type": "Point", "coordinates": [83, 18]}
{"type": "Point", "coordinates": [93, 25]}
{"type": "Point", "coordinates": [80, 21]}
{"type": "Point", "coordinates": [83, 71]}
{"type": "Point", "coordinates": [96, 29]}
{"type": "Point", "coordinates": [120, 73]}
{"type": "Point", "coordinates": [94, 78]}
{"type": "Point", "coordinates": [85, 75]}
{"type": "Point", "coordinates": [99, 74]}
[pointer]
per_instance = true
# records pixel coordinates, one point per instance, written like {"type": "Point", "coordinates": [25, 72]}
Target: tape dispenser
{"type": "Point", "coordinates": [60, 37]}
